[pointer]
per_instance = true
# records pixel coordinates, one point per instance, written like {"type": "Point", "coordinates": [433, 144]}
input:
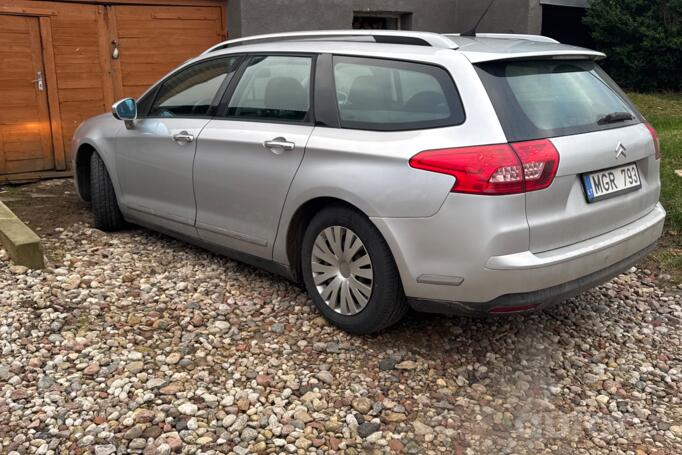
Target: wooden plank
{"type": "Point", "coordinates": [7, 39]}
{"type": "Point", "coordinates": [82, 94]}
{"type": "Point", "coordinates": [70, 25]}
{"type": "Point", "coordinates": [223, 22]}
{"type": "Point", "coordinates": [115, 64]}
{"type": "Point", "coordinates": [66, 84]}
{"type": "Point", "coordinates": [195, 15]}
{"type": "Point", "coordinates": [159, 42]}
{"type": "Point", "coordinates": [23, 150]}
{"type": "Point", "coordinates": [149, 2]}
{"type": "Point", "coordinates": [60, 50]}
{"type": "Point", "coordinates": [33, 176]}
{"type": "Point", "coordinates": [43, 108]}
{"type": "Point", "coordinates": [15, 97]}
{"type": "Point", "coordinates": [14, 24]}
{"type": "Point", "coordinates": [52, 93]}
{"type": "Point", "coordinates": [105, 58]}
{"type": "Point", "coordinates": [26, 11]}
{"type": "Point", "coordinates": [143, 24]}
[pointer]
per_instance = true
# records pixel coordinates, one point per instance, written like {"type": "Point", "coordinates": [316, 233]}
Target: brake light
{"type": "Point", "coordinates": [494, 169]}
{"type": "Point", "coordinates": [540, 161]}
{"type": "Point", "coordinates": [657, 142]}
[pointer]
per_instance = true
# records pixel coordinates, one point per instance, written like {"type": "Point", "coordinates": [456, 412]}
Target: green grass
{"type": "Point", "coordinates": [664, 112]}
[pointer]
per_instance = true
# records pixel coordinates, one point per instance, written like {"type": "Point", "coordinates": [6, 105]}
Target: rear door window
{"type": "Point", "coordinates": [273, 88]}
{"type": "Point", "coordinates": [389, 95]}
{"type": "Point", "coordinates": [549, 98]}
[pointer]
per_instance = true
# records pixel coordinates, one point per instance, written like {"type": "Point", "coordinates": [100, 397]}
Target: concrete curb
{"type": "Point", "coordinates": [21, 243]}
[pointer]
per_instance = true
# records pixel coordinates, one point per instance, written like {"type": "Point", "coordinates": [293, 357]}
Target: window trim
{"type": "Point", "coordinates": [221, 110]}
{"type": "Point", "coordinates": [434, 69]}
{"type": "Point", "coordinates": [154, 92]}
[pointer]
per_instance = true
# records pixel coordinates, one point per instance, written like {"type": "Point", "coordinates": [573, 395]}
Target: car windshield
{"type": "Point", "coordinates": [548, 98]}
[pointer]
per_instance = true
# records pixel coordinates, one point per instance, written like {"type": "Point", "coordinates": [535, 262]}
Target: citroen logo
{"type": "Point", "coordinates": [620, 150]}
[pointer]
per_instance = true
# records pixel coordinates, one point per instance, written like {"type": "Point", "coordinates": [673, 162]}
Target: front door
{"type": "Point", "coordinates": [154, 159]}
{"type": "Point", "coordinates": [247, 158]}
{"type": "Point", "coordinates": [25, 133]}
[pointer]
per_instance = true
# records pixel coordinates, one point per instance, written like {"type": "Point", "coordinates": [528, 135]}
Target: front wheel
{"type": "Point", "coordinates": [106, 214]}
{"type": "Point", "coordinates": [349, 272]}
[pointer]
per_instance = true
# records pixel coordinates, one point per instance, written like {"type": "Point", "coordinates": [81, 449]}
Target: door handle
{"type": "Point", "coordinates": [39, 80]}
{"type": "Point", "coordinates": [279, 145]}
{"type": "Point", "coordinates": [183, 138]}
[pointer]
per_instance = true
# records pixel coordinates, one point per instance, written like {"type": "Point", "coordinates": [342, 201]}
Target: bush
{"type": "Point", "coordinates": [642, 40]}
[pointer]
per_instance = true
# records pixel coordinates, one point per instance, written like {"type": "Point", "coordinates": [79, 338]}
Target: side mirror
{"type": "Point", "coordinates": [126, 110]}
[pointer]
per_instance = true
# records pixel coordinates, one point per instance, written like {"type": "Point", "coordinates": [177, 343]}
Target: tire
{"type": "Point", "coordinates": [106, 213]}
{"type": "Point", "coordinates": [386, 303]}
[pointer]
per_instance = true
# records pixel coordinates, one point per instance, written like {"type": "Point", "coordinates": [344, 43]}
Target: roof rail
{"type": "Point", "coordinates": [380, 36]}
{"type": "Point", "coordinates": [538, 38]}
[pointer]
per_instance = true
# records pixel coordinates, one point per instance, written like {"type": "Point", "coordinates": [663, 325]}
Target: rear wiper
{"type": "Point", "coordinates": [615, 117]}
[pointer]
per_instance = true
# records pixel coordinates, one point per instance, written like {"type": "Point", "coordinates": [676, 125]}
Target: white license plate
{"type": "Point", "coordinates": [611, 182]}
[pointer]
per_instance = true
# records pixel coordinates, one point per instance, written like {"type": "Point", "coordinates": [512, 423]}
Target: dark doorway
{"type": "Point", "coordinates": [565, 24]}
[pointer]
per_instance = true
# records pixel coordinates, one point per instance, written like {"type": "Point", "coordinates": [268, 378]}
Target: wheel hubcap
{"type": "Point", "coordinates": [342, 270]}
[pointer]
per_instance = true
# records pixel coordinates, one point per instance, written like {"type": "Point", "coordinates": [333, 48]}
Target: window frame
{"type": "Point", "coordinates": [154, 92]}
{"type": "Point", "coordinates": [221, 109]}
{"type": "Point", "coordinates": [439, 72]}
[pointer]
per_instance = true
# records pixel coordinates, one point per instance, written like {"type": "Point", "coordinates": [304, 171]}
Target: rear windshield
{"type": "Point", "coordinates": [548, 98]}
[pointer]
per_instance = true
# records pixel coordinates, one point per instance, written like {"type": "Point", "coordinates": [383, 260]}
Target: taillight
{"type": "Point", "coordinates": [494, 169]}
{"type": "Point", "coordinates": [540, 162]}
{"type": "Point", "coordinates": [657, 142]}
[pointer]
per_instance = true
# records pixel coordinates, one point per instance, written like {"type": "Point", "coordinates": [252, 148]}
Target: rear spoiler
{"type": "Point", "coordinates": [562, 53]}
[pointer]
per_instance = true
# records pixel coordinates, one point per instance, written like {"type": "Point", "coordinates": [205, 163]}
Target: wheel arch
{"type": "Point", "coordinates": [82, 170]}
{"type": "Point", "coordinates": [300, 220]}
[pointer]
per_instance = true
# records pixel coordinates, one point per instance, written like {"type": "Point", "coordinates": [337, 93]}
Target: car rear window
{"type": "Point", "coordinates": [549, 98]}
{"type": "Point", "coordinates": [390, 95]}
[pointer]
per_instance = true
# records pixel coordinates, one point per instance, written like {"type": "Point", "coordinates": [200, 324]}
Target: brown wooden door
{"type": "Point", "coordinates": [25, 134]}
{"type": "Point", "coordinates": [152, 40]}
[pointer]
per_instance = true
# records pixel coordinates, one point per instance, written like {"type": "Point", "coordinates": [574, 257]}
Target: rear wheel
{"type": "Point", "coordinates": [106, 214]}
{"type": "Point", "coordinates": [349, 272]}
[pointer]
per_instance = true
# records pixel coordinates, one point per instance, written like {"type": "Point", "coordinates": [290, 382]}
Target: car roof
{"type": "Point", "coordinates": [480, 48]}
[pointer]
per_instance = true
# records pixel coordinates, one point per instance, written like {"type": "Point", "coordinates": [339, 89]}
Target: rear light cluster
{"type": "Point", "coordinates": [657, 142]}
{"type": "Point", "coordinates": [494, 169]}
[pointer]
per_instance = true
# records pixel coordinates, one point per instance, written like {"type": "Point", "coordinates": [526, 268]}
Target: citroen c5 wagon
{"type": "Point", "coordinates": [385, 170]}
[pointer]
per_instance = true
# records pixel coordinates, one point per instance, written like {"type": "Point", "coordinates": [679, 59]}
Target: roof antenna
{"type": "Point", "coordinates": [472, 32]}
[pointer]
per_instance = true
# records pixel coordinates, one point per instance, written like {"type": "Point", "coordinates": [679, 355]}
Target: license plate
{"type": "Point", "coordinates": [611, 182]}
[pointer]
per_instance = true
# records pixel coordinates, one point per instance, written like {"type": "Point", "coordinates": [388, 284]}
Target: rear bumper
{"type": "Point", "coordinates": [531, 301]}
{"type": "Point", "coordinates": [448, 266]}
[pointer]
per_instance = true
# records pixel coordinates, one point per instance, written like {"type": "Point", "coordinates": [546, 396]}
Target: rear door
{"type": "Point", "coordinates": [608, 174]}
{"type": "Point", "coordinates": [248, 155]}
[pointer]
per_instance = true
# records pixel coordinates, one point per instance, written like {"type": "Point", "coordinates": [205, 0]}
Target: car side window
{"type": "Point", "coordinates": [390, 95]}
{"type": "Point", "coordinates": [273, 88]}
{"type": "Point", "coordinates": [190, 93]}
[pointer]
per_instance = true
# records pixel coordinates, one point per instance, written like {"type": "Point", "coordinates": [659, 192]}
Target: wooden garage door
{"type": "Point", "coordinates": [152, 40]}
{"type": "Point", "coordinates": [25, 134]}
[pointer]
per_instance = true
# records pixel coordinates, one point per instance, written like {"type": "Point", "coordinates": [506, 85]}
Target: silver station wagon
{"type": "Point", "coordinates": [386, 170]}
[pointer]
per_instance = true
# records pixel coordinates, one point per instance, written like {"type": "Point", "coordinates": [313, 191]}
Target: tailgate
{"type": "Point", "coordinates": [600, 137]}
{"type": "Point", "coordinates": [561, 215]}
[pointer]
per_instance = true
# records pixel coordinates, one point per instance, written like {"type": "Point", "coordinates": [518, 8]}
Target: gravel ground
{"type": "Point", "coordinates": [134, 342]}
